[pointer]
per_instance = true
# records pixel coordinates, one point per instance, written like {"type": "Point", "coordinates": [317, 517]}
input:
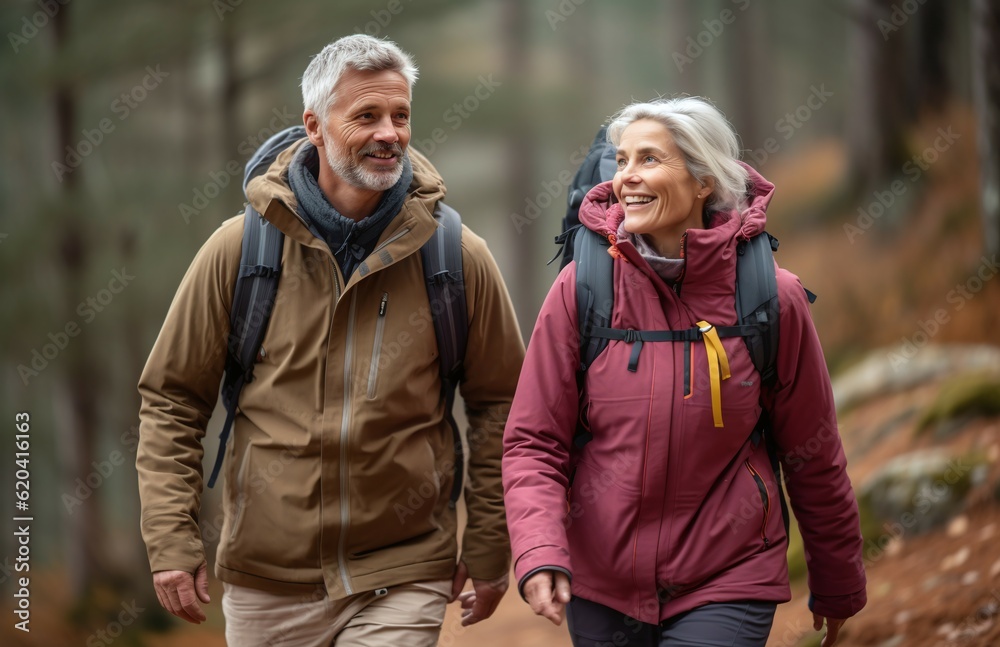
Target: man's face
{"type": "Point", "coordinates": [367, 128]}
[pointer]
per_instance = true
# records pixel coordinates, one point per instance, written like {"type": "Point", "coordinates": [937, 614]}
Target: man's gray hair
{"type": "Point", "coordinates": [356, 52]}
{"type": "Point", "coordinates": [707, 140]}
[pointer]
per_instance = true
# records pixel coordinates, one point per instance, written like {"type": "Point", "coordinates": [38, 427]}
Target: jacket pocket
{"type": "Point", "coordinates": [377, 346]}
{"type": "Point", "coordinates": [241, 492]}
{"type": "Point", "coordinates": [765, 501]}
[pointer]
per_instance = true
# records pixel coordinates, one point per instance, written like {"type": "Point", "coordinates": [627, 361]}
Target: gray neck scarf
{"type": "Point", "coordinates": [668, 269]}
{"type": "Point", "coordinates": [350, 241]}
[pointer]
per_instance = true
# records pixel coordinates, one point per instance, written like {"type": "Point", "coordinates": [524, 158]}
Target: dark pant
{"type": "Point", "coordinates": [722, 624]}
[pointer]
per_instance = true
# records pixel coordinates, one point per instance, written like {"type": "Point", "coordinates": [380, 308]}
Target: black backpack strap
{"type": "Point", "coordinates": [757, 303]}
{"type": "Point", "coordinates": [442, 260]}
{"type": "Point", "coordinates": [253, 300]}
{"type": "Point", "coordinates": [595, 295]}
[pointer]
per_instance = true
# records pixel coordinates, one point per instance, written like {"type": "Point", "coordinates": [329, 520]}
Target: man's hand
{"type": "Point", "coordinates": [832, 629]}
{"type": "Point", "coordinates": [479, 603]}
{"type": "Point", "coordinates": [179, 592]}
{"type": "Point", "coordinates": [548, 593]}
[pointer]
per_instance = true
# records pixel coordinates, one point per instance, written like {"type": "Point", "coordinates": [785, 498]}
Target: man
{"type": "Point", "coordinates": [338, 527]}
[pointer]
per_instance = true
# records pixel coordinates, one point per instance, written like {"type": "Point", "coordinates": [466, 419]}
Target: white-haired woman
{"type": "Point", "coordinates": [669, 532]}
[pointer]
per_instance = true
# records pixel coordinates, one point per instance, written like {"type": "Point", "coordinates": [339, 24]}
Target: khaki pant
{"type": "Point", "coordinates": [408, 615]}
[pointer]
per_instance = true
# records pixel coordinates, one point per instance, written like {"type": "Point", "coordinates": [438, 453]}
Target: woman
{"type": "Point", "coordinates": [666, 534]}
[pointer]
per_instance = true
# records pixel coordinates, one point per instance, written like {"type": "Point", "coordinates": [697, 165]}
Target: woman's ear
{"type": "Point", "coordinates": [707, 188]}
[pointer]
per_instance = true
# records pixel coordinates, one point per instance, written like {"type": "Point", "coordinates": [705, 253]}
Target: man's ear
{"type": "Point", "coordinates": [314, 130]}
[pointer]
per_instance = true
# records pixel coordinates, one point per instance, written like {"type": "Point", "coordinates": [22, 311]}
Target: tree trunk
{"type": "Point", "coordinates": [520, 159]}
{"type": "Point", "coordinates": [986, 91]}
{"type": "Point", "coordinates": [877, 112]}
{"type": "Point", "coordinates": [76, 395]}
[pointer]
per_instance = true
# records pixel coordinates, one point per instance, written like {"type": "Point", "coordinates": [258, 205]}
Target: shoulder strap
{"type": "Point", "coordinates": [442, 260]}
{"type": "Point", "coordinates": [253, 300]}
{"type": "Point", "coordinates": [595, 295]}
{"type": "Point", "coordinates": [757, 302]}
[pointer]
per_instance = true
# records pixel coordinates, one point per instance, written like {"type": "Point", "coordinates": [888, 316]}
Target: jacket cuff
{"type": "Point", "coordinates": [170, 546]}
{"type": "Point", "coordinates": [839, 607]}
{"type": "Point", "coordinates": [535, 571]}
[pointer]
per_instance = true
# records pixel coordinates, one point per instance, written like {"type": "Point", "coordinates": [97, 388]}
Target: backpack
{"type": "Point", "coordinates": [757, 306]}
{"type": "Point", "coordinates": [257, 287]}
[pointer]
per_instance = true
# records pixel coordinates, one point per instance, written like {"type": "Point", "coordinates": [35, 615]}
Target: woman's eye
{"type": "Point", "coordinates": [621, 163]}
{"type": "Point", "coordinates": [650, 159]}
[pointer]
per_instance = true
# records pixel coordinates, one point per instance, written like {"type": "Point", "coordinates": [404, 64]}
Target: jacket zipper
{"type": "Point", "coordinates": [241, 494]}
{"type": "Point", "coordinates": [377, 346]}
{"type": "Point", "coordinates": [680, 279]}
{"type": "Point", "coordinates": [765, 499]}
{"type": "Point", "coordinates": [392, 239]}
{"type": "Point", "coordinates": [345, 512]}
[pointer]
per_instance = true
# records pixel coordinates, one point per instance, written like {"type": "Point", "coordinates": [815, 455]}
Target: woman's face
{"type": "Point", "coordinates": [660, 196]}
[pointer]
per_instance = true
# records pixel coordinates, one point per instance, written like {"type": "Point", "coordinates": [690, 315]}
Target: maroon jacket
{"type": "Point", "coordinates": [668, 512]}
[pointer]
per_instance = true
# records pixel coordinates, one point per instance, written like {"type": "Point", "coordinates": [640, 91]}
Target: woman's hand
{"type": "Point", "coordinates": [832, 628]}
{"type": "Point", "coordinates": [548, 593]}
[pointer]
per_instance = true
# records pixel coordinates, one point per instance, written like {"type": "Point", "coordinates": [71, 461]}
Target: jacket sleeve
{"type": "Point", "coordinates": [815, 467]}
{"type": "Point", "coordinates": [493, 360]}
{"type": "Point", "coordinates": [179, 387]}
{"type": "Point", "coordinates": [539, 434]}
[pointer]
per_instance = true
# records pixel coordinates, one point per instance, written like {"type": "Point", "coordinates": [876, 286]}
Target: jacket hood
{"type": "Point", "coordinates": [266, 175]}
{"type": "Point", "coordinates": [602, 213]}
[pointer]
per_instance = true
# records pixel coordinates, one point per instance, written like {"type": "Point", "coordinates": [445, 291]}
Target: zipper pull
{"type": "Point", "coordinates": [384, 304]}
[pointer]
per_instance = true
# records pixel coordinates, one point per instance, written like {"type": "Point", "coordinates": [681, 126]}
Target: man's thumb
{"type": "Point", "coordinates": [201, 583]}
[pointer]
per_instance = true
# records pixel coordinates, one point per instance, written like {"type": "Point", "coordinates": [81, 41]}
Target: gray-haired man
{"type": "Point", "coordinates": [338, 528]}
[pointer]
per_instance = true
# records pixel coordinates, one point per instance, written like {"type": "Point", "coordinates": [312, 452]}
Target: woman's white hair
{"type": "Point", "coordinates": [356, 52]}
{"type": "Point", "coordinates": [707, 140]}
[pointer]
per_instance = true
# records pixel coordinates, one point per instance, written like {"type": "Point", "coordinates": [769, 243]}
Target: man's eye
{"type": "Point", "coordinates": [650, 159]}
{"type": "Point", "coordinates": [365, 115]}
{"type": "Point", "coordinates": [403, 116]}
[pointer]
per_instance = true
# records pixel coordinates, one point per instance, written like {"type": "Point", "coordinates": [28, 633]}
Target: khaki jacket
{"type": "Point", "coordinates": [340, 464]}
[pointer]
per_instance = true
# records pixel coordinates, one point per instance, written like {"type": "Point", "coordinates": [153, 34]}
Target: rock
{"type": "Point", "coordinates": [946, 628]}
{"type": "Point", "coordinates": [895, 641]}
{"type": "Point", "coordinates": [916, 492]}
{"type": "Point", "coordinates": [958, 526]}
{"type": "Point", "coordinates": [879, 374]}
{"type": "Point", "coordinates": [995, 569]}
{"type": "Point", "coordinates": [987, 532]}
{"type": "Point", "coordinates": [970, 578]}
{"type": "Point", "coordinates": [903, 617]}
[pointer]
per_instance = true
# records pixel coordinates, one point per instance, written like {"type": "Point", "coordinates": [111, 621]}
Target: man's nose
{"type": "Point", "coordinates": [386, 131]}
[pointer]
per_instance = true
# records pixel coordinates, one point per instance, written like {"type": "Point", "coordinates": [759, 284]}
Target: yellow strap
{"type": "Point", "coordinates": [716, 358]}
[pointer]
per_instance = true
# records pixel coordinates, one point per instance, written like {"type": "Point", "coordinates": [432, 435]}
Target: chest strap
{"type": "Point", "coordinates": [718, 361]}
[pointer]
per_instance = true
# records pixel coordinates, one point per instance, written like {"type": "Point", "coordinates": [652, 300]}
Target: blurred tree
{"type": "Point", "coordinates": [877, 109]}
{"type": "Point", "coordinates": [986, 92]}
{"type": "Point", "coordinates": [76, 395]}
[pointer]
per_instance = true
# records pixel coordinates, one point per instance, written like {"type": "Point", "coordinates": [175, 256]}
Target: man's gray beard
{"type": "Point", "coordinates": [359, 177]}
